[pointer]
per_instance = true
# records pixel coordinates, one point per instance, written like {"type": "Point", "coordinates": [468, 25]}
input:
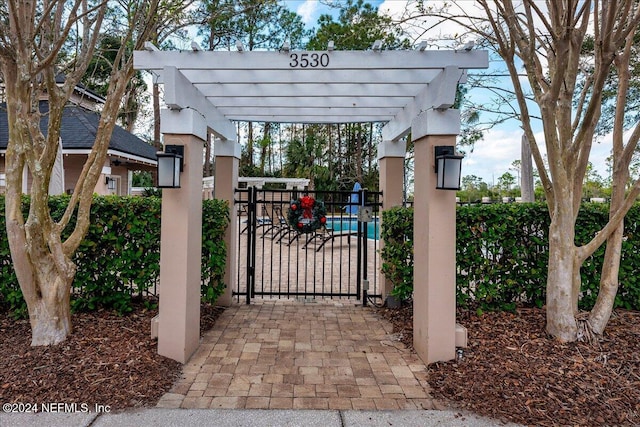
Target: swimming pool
{"type": "Point", "coordinates": [351, 223]}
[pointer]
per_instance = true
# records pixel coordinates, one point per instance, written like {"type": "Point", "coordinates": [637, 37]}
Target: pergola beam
{"type": "Point", "coordinates": [439, 94]}
{"type": "Point", "coordinates": [180, 93]}
{"type": "Point", "coordinates": [282, 61]}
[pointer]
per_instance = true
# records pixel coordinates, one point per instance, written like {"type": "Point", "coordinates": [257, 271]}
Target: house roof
{"type": "Point", "coordinates": [81, 89]}
{"type": "Point", "coordinates": [78, 132]}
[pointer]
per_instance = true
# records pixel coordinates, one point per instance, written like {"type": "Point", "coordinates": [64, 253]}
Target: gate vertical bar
{"type": "Point", "coordinates": [251, 244]}
{"type": "Point", "coordinates": [359, 247]}
{"type": "Point", "coordinates": [239, 226]}
{"type": "Point", "coordinates": [254, 242]}
{"type": "Point", "coordinates": [365, 244]}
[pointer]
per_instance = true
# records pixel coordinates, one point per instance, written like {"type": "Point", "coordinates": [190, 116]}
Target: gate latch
{"type": "Point", "coordinates": [365, 214]}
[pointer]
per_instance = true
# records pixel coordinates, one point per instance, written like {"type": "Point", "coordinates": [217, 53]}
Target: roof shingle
{"type": "Point", "coordinates": [78, 131]}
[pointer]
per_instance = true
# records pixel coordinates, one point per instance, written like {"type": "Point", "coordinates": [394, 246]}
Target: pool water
{"type": "Point", "coordinates": [351, 223]}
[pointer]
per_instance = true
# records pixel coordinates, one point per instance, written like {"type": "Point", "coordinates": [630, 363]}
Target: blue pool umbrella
{"type": "Point", "coordinates": [354, 199]}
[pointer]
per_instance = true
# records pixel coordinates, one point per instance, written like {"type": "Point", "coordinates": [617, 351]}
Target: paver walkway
{"type": "Point", "coordinates": [286, 354]}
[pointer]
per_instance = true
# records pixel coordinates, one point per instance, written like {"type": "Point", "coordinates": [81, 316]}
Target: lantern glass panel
{"type": "Point", "coordinates": [176, 170]}
{"type": "Point", "coordinates": [167, 177]}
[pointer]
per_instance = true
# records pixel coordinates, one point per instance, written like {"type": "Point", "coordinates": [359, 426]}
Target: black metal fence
{"type": "Point", "coordinates": [337, 260]}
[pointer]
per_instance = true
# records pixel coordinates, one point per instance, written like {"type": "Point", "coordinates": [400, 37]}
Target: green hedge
{"type": "Point", "coordinates": [118, 261]}
{"type": "Point", "coordinates": [502, 254]}
{"type": "Point", "coordinates": [397, 252]}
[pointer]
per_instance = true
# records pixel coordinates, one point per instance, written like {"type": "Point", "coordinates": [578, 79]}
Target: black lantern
{"type": "Point", "coordinates": [111, 183]}
{"type": "Point", "coordinates": [448, 168]}
{"type": "Point", "coordinates": [169, 166]}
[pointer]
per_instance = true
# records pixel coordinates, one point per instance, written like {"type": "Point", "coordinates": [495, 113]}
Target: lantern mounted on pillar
{"type": "Point", "coordinates": [448, 168]}
{"type": "Point", "coordinates": [170, 164]}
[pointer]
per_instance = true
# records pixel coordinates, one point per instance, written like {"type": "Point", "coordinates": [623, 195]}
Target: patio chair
{"type": "Point", "coordinates": [289, 233]}
{"type": "Point", "coordinates": [329, 235]}
{"type": "Point", "coordinates": [278, 224]}
{"type": "Point", "coordinates": [261, 221]}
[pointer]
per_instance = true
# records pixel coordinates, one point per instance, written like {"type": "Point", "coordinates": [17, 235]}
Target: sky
{"type": "Point", "coordinates": [492, 156]}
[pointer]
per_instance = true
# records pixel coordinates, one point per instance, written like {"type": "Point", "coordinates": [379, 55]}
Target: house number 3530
{"type": "Point", "coordinates": [308, 60]}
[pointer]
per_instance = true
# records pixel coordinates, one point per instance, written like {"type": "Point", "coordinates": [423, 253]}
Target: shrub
{"type": "Point", "coordinates": [502, 254]}
{"type": "Point", "coordinates": [118, 260]}
{"type": "Point", "coordinates": [397, 253]}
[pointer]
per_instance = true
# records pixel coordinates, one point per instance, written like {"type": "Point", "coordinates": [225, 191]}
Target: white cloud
{"type": "Point", "coordinates": [432, 29]}
{"type": "Point", "coordinates": [493, 155]}
{"type": "Point", "coordinates": [393, 8]}
{"type": "Point", "coordinates": [307, 11]}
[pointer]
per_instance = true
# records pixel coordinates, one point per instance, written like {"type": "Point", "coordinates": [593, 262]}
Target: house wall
{"type": "Point", "coordinates": [72, 169]}
{"type": "Point", "coordinates": [73, 164]}
{"type": "Point", "coordinates": [121, 174]}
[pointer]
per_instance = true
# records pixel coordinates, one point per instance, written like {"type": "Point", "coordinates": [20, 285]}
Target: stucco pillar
{"type": "Point", "coordinates": [181, 241]}
{"type": "Point", "coordinates": [227, 155]}
{"type": "Point", "coordinates": [391, 165]}
{"type": "Point", "coordinates": [434, 276]}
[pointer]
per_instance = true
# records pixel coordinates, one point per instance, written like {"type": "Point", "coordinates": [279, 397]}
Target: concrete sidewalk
{"type": "Point", "coordinates": [250, 417]}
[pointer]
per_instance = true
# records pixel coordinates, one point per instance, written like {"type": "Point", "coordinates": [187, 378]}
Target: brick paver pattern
{"type": "Point", "coordinates": [287, 354]}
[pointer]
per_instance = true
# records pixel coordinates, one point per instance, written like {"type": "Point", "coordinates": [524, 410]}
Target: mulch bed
{"type": "Point", "coordinates": [513, 371]}
{"type": "Point", "coordinates": [108, 360]}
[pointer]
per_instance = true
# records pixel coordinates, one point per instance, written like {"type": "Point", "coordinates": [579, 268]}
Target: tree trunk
{"type": "Point", "coordinates": [50, 317]}
{"type": "Point", "coordinates": [526, 171]}
{"type": "Point", "coordinates": [264, 145]}
{"type": "Point", "coordinates": [44, 276]}
{"type": "Point", "coordinates": [157, 143]}
{"type": "Point", "coordinates": [207, 160]}
{"type": "Point", "coordinates": [250, 145]}
{"type": "Point", "coordinates": [358, 134]}
{"type": "Point", "coordinates": [561, 321]}
{"type": "Point", "coordinates": [601, 312]}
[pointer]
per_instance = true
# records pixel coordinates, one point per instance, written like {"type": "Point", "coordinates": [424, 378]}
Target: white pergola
{"type": "Point", "coordinates": [343, 86]}
{"type": "Point", "coordinates": [409, 91]}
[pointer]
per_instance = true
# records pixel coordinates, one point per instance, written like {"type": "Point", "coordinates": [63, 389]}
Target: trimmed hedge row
{"type": "Point", "coordinates": [397, 252]}
{"type": "Point", "coordinates": [119, 258]}
{"type": "Point", "coordinates": [502, 254]}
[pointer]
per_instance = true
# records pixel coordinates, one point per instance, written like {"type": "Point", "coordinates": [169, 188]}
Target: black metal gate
{"type": "Point", "coordinates": [338, 260]}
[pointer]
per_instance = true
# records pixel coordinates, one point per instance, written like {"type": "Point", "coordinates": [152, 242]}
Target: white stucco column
{"type": "Point", "coordinates": [391, 156]}
{"type": "Point", "coordinates": [434, 275]}
{"type": "Point", "coordinates": [181, 240]}
{"type": "Point", "coordinates": [227, 155]}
